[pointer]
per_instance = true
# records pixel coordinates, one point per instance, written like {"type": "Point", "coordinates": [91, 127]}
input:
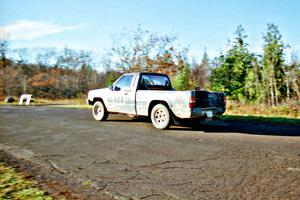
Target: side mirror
{"type": "Point", "coordinates": [116, 88]}
{"type": "Point", "coordinates": [110, 87]}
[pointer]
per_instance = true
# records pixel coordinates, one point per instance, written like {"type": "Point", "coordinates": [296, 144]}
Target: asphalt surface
{"type": "Point", "coordinates": [132, 160]}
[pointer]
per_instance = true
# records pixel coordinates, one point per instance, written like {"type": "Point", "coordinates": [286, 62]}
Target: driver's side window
{"type": "Point", "coordinates": [124, 83]}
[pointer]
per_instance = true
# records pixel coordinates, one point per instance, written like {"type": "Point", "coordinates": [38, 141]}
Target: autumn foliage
{"type": "Point", "coordinates": [244, 75]}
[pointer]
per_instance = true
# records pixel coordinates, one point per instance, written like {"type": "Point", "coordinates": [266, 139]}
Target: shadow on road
{"type": "Point", "coordinates": [227, 126]}
{"type": "Point", "coordinates": [224, 126]}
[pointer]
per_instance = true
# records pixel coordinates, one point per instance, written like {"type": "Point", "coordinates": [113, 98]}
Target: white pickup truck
{"type": "Point", "coordinates": [152, 95]}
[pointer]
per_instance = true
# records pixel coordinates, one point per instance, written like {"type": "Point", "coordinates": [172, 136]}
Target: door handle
{"type": "Point", "coordinates": [126, 93]}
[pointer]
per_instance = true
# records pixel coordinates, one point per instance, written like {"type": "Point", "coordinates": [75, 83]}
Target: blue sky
{"type": "Point", "coordinates": [89, 24]}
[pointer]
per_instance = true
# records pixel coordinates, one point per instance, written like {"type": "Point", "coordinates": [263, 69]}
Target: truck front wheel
{"type": "Point", "coordinates": [99, 111]}
{"type": "Point", "coordinates": [160, 116]}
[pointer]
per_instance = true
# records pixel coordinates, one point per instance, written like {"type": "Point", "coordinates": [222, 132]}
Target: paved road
{"type": "Point", "coordinates": [131, 159]}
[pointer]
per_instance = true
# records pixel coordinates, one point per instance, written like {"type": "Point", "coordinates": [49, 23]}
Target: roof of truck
{"type": "Point", "coordinates": [150, 73]}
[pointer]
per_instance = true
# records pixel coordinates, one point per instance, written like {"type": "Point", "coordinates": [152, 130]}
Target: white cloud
{"type": "Point", "coordinates": [27, 30]}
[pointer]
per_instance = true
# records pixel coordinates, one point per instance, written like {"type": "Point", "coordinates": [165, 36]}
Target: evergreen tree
{"type": "Point", "coordinates": [253, 86]}
{"type": "Point", "coordinates": [231, 72]}
{"type": "Point", "coordinates": [217, 78]}
{"type": "Point", "coordinates": [182, 80]}
{"type": "Point", "coordinates": [273, 73]}
{"type": "Point", "coordinates": [111, 76]}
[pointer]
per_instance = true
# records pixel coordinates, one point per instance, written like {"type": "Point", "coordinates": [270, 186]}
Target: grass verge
{"type": "Point", "coordinates": [262, 119]}
{"type": "Point", "coordinates": [72, 106]}
{"type": "Point", "coordinates": [41, 102]}
{"type": "Point", "coordinates": [15, 186]}
{"type": "Point", "coordinates": [284, 110]}
{"type": "Point", "coordinates": [284, 114]}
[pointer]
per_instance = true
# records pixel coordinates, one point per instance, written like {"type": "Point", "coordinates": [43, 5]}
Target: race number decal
{"type": "Point", "coordinates": [118, 100]}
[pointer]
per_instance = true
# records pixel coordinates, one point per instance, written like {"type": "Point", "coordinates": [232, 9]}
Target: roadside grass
{"type": "Point", "coordinates": [15, 186]}
{"type": "Point", "coordinates": [284, 110]}
{"type": "Point", "coordinates": [286, 113]}
{"type": "Point", "coordinates": [87, 107]}
{"type": "Point", "coordinates": [62, 103]}
{"type": "Point", "coordinates": [76, 101]}
{"type": "Point", "coordinates": [262, 119]}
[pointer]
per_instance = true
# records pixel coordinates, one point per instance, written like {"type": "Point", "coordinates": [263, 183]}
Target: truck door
{"type": "Point", "coordinates": [123, 95]}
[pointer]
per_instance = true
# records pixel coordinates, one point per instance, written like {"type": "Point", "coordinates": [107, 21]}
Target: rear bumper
{"type": "Point", "coordinates": [206, 112]}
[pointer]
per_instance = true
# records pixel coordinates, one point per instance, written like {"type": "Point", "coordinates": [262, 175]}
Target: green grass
{"type": "Point", "coordinates": [72, 106]}
{"type": "Point", "coordinates": [14, 186]}
{"type": "Point", "coordinates": [285, 114]}
{"type": "Point", "coordinates": [262, 119]}
{"type": "Point", "coordinates": [2, 103]}
{"type": "Point", "coordinates": [41, 101]}
{"type": "Point", "coordinates": [284, 110]}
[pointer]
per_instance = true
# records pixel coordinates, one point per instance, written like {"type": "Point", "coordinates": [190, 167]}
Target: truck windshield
{"type": "Point", "coordinates": [123, 83]}
{"type": "Point", "coordinates": [154, 82]}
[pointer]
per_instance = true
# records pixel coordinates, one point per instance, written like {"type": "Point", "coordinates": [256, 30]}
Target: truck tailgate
{"type": "Point", "coordinates": [205, 99]}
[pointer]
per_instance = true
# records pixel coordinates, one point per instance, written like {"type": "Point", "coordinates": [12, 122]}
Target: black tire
{"type": "Point", "coordinates": [99, 111]}
{"type": "Point", "coordinates": [160, 116]}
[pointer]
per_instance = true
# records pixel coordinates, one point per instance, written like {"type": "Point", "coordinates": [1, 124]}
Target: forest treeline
{"type": "Point", "coordinates": [244, 75]}
{"type": "Point", "coordinates": [49, 73]}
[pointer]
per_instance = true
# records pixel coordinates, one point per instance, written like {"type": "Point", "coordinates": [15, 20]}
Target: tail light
{"type": "Point", "coordinates": [225, 100]}
{"type": "Point", "coordinates": [192, 101]}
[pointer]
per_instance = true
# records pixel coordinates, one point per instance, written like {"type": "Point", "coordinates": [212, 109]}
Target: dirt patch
{"type": "Point", "coordinates": [53, 181]}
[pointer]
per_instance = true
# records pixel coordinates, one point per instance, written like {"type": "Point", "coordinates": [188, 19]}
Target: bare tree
{"type": "Point", "coordinates": [200, 72]}
{"type": "Point", "coordinates": [3, 62]}
{"type": "Point", "coordinates": [46, 58]}
{"type": "Point", "coordinates": [23, 65]}
{"type": "Point", "coordinates": [141, 50]}
{"type": "Point", "coordinates": [293, 77]}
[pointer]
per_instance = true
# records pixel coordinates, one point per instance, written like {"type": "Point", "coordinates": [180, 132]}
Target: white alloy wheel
{"type": "Point", "coordinates": [160, 116]}
{"type": "Point", "coordinates": [99, 111]}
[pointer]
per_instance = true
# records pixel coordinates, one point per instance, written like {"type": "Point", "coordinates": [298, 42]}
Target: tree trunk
{"type": "Point", "coordinates": [297, 89]}
{"type": "Point", "coordinates": [274, 86]}
{"type": "Point", "coordinates": [4, 90]}
{"type": "Point", "coordinates": [275, 92]}
{"type": "Point", "coordinates": [287, 90]}
{"type": "Point", "coordinates": [25, 84]}
{"type": "Point", "coordinates": [272, 91]}
{"type": "Point", "coordinates": [257, 85]}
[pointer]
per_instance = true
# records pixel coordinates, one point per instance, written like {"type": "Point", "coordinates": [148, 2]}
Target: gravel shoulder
{"type": "Point", "coordinates": [52, 180]}
{"type": "Point", "coordinates": [129, 159]}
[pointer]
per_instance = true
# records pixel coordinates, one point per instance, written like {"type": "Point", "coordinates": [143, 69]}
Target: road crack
{"type": "Point", "coordinates": [166, 162]}
{"type": "Point", "coordinates": [54, 166]}
{"type": "Point", "coordinates": [173, 196]}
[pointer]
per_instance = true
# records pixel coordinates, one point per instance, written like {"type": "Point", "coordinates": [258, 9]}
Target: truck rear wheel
{"type": "Point", "coordinates": [99, 111]}
{"type": "Point", "coordinates": [160, 116]}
